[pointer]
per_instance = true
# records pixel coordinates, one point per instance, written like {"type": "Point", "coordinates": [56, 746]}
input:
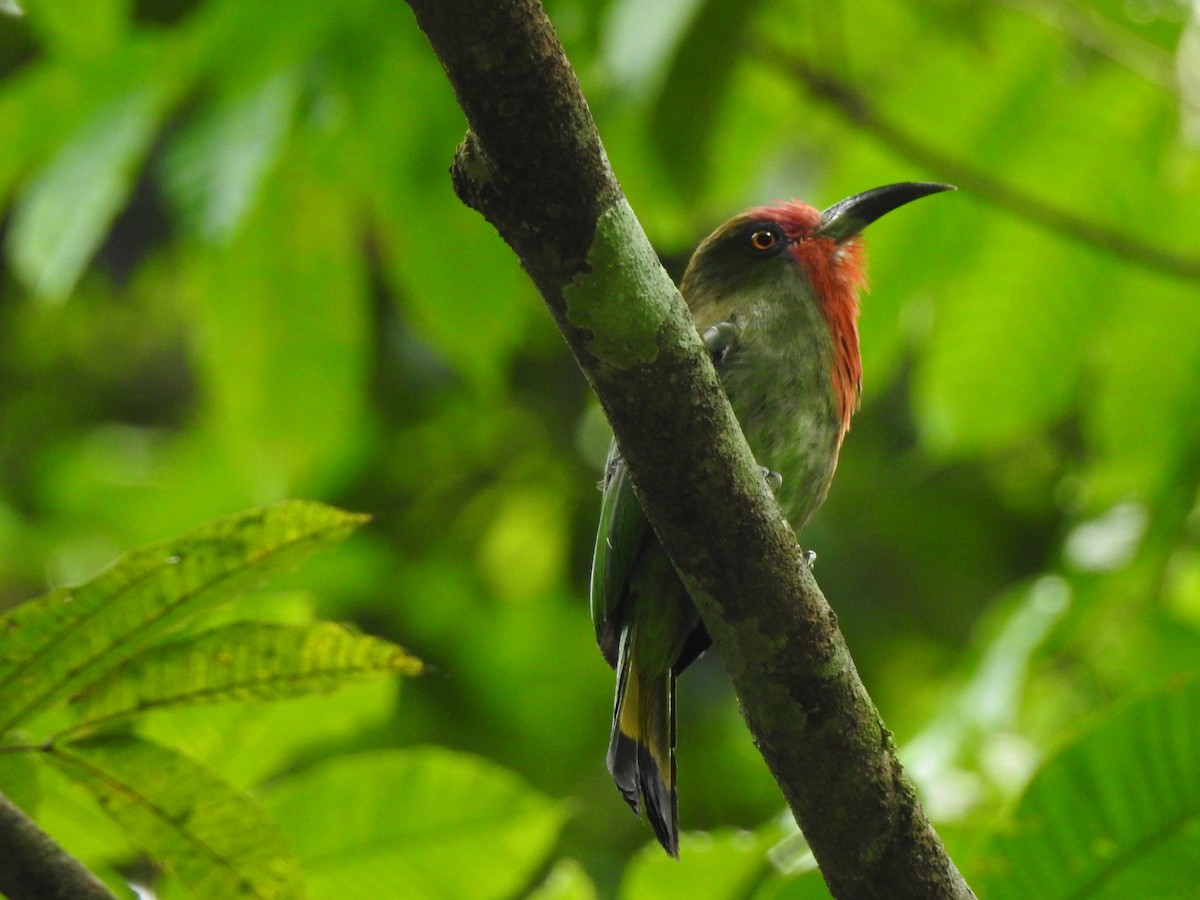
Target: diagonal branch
{"type": "Point", "coordinates": [34, 867]}
{"type": "Point", "coordinates": [858, 110]}
{"type": "Point", "coordinates": [533, 165]}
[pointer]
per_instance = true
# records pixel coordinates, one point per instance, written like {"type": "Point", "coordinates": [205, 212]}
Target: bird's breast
{"type": "Point", "coordinates": [781, 389]}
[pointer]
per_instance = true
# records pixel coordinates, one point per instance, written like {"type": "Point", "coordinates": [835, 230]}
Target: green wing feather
{"type": "Point", "coordinates": [624, 529]}
{"type": "Point", "coordinates": [619, 539]}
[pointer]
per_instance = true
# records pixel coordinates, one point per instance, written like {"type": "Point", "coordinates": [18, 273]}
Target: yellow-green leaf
{"type": "Point", "coordinates": [54, 645]}
{"type": "Point", "coordinates": [416, 823]}
{"type": "Point", "coordinates": [217, 840]}
{"type": "Point", "coordinates": [242, 661]}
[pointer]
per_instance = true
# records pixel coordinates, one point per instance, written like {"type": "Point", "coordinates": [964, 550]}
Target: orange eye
{"type": "Point", "coordinates": [764, 239]}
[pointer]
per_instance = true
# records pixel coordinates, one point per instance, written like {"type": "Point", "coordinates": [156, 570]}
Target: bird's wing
{"type": "Point", "coordinates": [624, 529]}
{"type": "Point", "coordinates": [619, 539]}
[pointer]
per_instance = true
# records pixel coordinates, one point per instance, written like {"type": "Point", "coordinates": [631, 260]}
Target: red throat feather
{"type": "Point", "coordinates": [837, 274]}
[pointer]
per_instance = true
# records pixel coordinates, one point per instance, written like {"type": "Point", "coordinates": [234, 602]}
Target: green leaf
{"type": "Point", "coordinates": [285, 334]}
{"type": "Point", "coordinates": [242, 661]}
{"type": "Point", "coordinates": [214, 170]}
{"type": "Point", "coordinates": [1116, 814]}
{"type": "Point", "coordinates": [725, 864]}
{"type": "Point", "coordinates": [415, 823]}
{"type": "Point", "coordinates": [63, 216]}
{"type": "Point", "coordinates": [83, 28]}
{"type": "Point", "coordinates": [69, 814]}
{"type": "Point", "coordinates": [54, 645]}
{"type": "Point", "coordinates": [696, 85]}
{"type": "Point", "coordinates": [249, 743]}
{"type": "Point", "coordinates": [568, 880]}
{"type": "Point", "coordinates": [1140, 414]}
{"type": "Point", "coordinates": [1032, 337]}
{"type": "Point", "coordinates": [217, 840]}
{"type": "Point", "coordinates": [943, 758]}
{"type": "Point", "coordinates": [19, 780]}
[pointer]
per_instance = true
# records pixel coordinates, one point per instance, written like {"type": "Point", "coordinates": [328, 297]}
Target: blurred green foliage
{"type": "Point", "coordinates": [234, 271]}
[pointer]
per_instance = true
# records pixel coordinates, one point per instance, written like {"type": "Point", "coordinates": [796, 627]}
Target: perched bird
{"type": "Point", "coordinates": [774, 292]}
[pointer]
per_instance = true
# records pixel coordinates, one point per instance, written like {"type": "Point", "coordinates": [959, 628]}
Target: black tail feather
{"type": "Point", "coordinates": [643, 736]}
{"type": "Point", "coordinates": [661, 800]}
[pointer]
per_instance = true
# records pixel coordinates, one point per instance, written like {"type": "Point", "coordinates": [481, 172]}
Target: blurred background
{"type": "Point", "coordinates": [234, 271]}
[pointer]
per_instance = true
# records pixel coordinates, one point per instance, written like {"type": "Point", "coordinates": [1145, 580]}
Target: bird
{"type": "Point", "coordinates": [774, 293]}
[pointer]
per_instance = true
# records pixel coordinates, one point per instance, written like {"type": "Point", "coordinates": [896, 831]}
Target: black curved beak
{"type": "Point", "coordinates": [844, 220]}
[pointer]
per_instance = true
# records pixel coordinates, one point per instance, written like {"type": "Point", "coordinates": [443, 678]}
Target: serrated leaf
{"type": "Point", "coordinates": [54, 645]}
{"type": "Point", "coordinates": [250, 744]}
{"type": "Point", "coordinates": [68, 813]}
{"type": "Point", "coordinates": [415, 823]}
{"type": "Point", "coordinates": [242, 661]}
{"type": "Point", "coordinates": [217, 840]}
{"type": "Point", "coordinates": [1116, 814]}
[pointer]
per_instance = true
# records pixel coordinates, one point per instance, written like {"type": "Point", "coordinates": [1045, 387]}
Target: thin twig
{"type": "Point", "coordinates": [1098, 33]}
{"type": "Point", "coordinates": [858, 110]}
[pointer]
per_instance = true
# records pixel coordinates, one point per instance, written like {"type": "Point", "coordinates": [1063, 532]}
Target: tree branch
{"type": "Point", "coordinates": [533, 165]}
{"type": "Point", "coordinates": [857, 110]}
{"type": "Point", "coordinates": [34, 867]}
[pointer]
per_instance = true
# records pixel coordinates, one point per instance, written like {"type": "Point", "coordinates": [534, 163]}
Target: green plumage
{"type": "Point", "coordinates": [774, 292]}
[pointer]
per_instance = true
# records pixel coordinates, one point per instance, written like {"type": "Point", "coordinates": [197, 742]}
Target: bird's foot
{"type": "Point", "coordinates": [718, 339]}
{"type": "Point", "coordinates": [810, 558]}
{"type": "Point", "coordinates": [774, 479]}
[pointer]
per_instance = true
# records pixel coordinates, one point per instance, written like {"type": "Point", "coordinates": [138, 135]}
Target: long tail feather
{"type": "Point", "coordinates": [641, 753]}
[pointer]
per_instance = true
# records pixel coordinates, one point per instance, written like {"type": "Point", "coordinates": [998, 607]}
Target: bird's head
{"type": "Point", "coordinates": [792, 253]}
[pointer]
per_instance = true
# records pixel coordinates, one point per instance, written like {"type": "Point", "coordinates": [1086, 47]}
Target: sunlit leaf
{"type": "Point", "coordinates": [80, 28]}
{"type": "Point", "coordinates": [69, 814]}
{"type": "Point", "coordinates": [1005, 322]}
{"type": "Point", "coordinates": [217, 840]}
{"type": "Point", "coordinates": [809, 886]}
{"type": "Point", "coordinates": [638, 39]}
{"type": "Point", "coordinates": [568, 880]}
{"type": "Point", "coordinates": [1140, 414]}
{"type": "Point", "coordinates": [64, 214]}
{"type": "Point", "coordinates": [19, 780]}
{"type": "Point", "coordinates": [983, 712]}
{"type": "Point", "coordinates": [415, 823]}
{"type": "Point", "coordinates": [57, 643]}
{"type": "Point", "coordinates": [696, 85]}
{"type": "Point", "coordinates": [721, 865]}
{"type": "Point", "coordinates": [284, 317]}
{"type": "Point", "coordinates": [215, 168]}
{"type": "Point", "coordinates": [249, 743]}
{"type": "Point", "coordinates": [1116, 814]}
{"type": "Point", "coordinates": [242, 661]}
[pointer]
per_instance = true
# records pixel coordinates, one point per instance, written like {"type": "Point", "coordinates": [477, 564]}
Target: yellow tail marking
{"type": "Point", "coordinates": [628, 721]}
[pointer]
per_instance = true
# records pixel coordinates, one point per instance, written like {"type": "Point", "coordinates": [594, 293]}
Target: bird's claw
{"type": "Point", "coordinates": [774, 479]}
{"type": "Point", "coordinates": [718, 339]}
